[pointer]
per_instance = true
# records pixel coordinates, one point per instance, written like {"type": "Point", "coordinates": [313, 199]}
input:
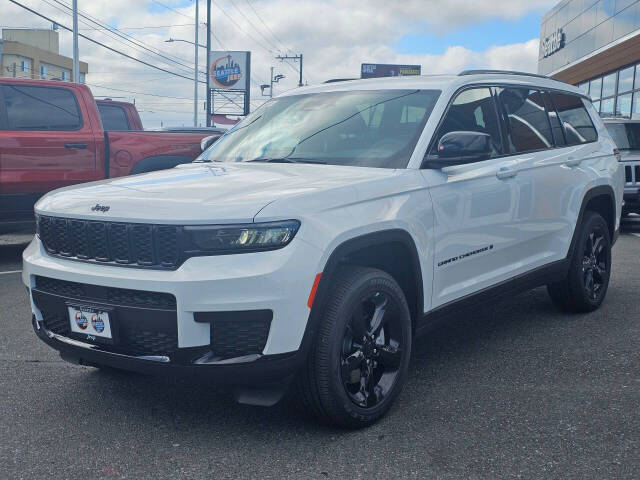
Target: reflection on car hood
{"type": "Point", "coordinates": [199, 192]}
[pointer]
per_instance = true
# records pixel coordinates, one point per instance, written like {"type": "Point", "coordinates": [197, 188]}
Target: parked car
{"type": "Point", "coordinates": [312, 243]}
{"type": "Point", "coordinates": [52, 136]}
{"type": "Point", "coordinates": [626, 135]}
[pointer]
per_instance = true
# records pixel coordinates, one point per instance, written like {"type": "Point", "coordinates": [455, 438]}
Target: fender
{"type": "Point", "coordinates": [338, 257]}
{"type": "Point", "coordinates": [159, 162]}
{"type": "Point", "coordinates": [590, 194]}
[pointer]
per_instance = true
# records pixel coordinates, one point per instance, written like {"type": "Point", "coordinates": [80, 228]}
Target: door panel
{"type": "Point", "coordinates": [45, 145]}
{"type": "Point", "coordinates": [477, 206]}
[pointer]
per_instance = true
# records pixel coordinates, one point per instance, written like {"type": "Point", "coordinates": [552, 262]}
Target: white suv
{"type": "Point", "coordinates": [317, 238]}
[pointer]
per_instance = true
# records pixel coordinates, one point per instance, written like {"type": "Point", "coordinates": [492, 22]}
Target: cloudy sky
{"type": "Point", "coordinates": [335, 36]}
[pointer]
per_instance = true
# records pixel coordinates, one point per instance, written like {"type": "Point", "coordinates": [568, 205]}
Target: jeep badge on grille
{"type": "Point", "coordinates": [100, 208]}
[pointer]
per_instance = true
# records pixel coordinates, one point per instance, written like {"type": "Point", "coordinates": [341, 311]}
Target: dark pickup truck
{"type": "Point", "coordinates": [52, 135]}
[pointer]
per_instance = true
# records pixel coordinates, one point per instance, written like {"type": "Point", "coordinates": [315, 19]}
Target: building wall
{"type": "Point", "coordinates": [56, 66]}
{"type": "Point", "coordinates": [587, 25]}
{"type": "Point", "coordinates": [43, 39]}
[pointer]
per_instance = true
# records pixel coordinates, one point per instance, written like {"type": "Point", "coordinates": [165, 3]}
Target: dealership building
{"type": "Point", "coordinates": [595, 45]}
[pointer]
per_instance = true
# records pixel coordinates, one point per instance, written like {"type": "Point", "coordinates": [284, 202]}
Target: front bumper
{"type": "Point", "coordinates": [259, 370]}
{"type": "Point", "coordinates": [278, 281]}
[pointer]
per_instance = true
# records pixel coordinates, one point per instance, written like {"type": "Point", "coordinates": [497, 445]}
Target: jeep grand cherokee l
{"type": "Point", "coordinates": [315, 240]}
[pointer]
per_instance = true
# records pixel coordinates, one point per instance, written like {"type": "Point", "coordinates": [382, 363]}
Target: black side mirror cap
{"type": "Point", "coordinates": [459, 147]}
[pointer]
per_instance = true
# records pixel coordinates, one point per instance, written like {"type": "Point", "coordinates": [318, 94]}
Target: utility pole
{"type": "Point", "coordinates": [195, 72]}
{"type": "Point", "coordinates": [76, 60]}
{"type": "Point", "coordinates": [208, 62]}
{"type": "Point", "coordinates": [271, 84]}
{"type": "Point", "coordinates": [273, 80]}
{"type": "Point", "coordinates": [294, 58]}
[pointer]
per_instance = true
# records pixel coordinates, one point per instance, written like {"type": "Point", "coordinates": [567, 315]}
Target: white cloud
{"type": "Point", "coordinates": [336, 36]}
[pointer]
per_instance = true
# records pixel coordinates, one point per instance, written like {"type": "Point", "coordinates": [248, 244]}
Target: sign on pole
{"type": "Point", "coordinates": [375, 70]}
{"type": "Point", "coordinates": [229, 81]}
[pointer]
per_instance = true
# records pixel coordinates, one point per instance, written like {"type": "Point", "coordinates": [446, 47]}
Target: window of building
{"type": "Point", "coordinates": [606, 107]}
{"type": "Point", "coordinates": [623, 105]}
{"type": "Point", "coordinates": [635, 107]}
{"type": "Point", "coordinates": [575, 119]}
{"type": "Point", "coordinates": [584, 87]}
{"type": "Point", "coordinates": [24, 66]}
{"type": "Point", "coordinates": [81, 77]}
{"type": "Point", "coordinates": [43, 71]}
{"type": "Point", "coordinates": [609, 85]}
{"type": "Point", "coordinates": [65, 76]}
{"type": "Point", "coordinates": [625, 80]}
{"type": "Point", "coordinates": [527, 122]}
{"type": "Point", "coordinates": [40, 108]}
{"type": "Point", "coordinates": [595, 88]}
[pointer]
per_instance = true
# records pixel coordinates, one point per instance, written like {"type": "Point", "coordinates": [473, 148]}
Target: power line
{"type": "Point", "coordinates": [15, 2]}
{"type": "Point", "coordinates": [138, 93]}
{"type": "Point", "coordinates": [266, 26]}
{"type": "Point", "coordinates": [258, 42]}
{"type": "Point", "coordinates": [173, 10]}
{"type": "Point", "coordinates": [253, 26]}
{"type": "Point", "coordinates": [127, 37]}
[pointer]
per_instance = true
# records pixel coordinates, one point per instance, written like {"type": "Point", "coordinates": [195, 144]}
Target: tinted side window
{"type": "Point", "coordinates": [472, 110]}
{"type": "Point", "coordinates": [113, 117]}
{"type": "Point", "coordinates": [577, 124]}
{"type": "Point", "coordinates": [41, 108]}
{"type": "Point", "coordinates": [528, 127]}
{"type": "Point", "coordinates": [556, 127]}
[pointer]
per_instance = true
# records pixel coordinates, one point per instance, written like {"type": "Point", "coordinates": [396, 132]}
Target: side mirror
{"type": "Point", "coordinates": [455, 148]}
{"type": "Point", "coordinates": [206, 142]}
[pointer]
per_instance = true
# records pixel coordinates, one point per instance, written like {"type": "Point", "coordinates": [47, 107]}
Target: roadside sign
{"type": "Point", "coordinates": [374, 70]}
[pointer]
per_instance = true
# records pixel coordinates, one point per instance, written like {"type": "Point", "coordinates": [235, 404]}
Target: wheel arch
{"type": "Point", "coordinates": [600, 199]}
{"type": "Point", "coordinates": [364, 250]}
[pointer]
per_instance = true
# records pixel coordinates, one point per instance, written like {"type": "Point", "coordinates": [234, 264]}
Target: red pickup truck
{"type": "Point", "coordinates": [52, 135]}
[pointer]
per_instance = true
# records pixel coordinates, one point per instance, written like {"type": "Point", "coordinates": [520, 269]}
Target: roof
{"type": "Point", "coordinates": [438, 82]}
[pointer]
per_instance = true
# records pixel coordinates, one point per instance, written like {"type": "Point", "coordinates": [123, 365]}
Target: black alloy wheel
{"type": "Point", "coordinates": [360, 357]}
{"type": "Point", "coordinates": [595, 266]}
{"type": "Point", "coordinates": [371, 350]}
{"type": "Point", "coordinates": [585, 285]}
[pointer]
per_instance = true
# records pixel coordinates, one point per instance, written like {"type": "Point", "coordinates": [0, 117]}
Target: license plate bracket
{"type": "Point", "coordinates": [92, 323]}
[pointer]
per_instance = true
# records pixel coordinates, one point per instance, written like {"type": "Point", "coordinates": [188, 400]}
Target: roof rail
{"type": "Point", "coordinates": [333, 80]}
{"type": "Point", "coordinates": [502, 72]}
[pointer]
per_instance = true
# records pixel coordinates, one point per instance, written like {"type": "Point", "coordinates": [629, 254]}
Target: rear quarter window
{"type": "Point", "coordinates": [573, 116]}
{"type": "Point", "coordinates": [40, 108]}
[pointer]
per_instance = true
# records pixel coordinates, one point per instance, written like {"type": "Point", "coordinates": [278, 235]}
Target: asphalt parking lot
{"type": "Point", "coordinates": [511, 390]}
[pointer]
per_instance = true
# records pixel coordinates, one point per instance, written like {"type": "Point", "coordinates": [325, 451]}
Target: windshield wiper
{"type": "Point", "coordinates": [286, 160]}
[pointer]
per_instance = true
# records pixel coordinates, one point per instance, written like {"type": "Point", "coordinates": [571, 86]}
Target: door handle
{"type": "Point", "coordinates": [78, 146]}
{"type": "Point", "coordinates": [505, 173]}
{"type": "Point", "coordinates": [573, 162]}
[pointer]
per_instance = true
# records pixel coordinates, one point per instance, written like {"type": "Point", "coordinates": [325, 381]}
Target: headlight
{"type": "Point", "coordinates": [251, 237]}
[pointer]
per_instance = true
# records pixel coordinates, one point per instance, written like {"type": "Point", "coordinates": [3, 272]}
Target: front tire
{"type": "Point", "coordinates": [360, 358]}
{"type": "Point", "coordinates": [585, 286]}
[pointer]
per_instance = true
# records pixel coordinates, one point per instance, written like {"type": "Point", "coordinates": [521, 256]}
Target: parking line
{"type": "Point", "coordinates": [10, 271]}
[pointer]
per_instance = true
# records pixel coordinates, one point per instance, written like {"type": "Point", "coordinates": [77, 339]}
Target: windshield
{"type": "Point", "coordinates": [377, 128]}
{"type": "Point", "coordinates": [625, 135]}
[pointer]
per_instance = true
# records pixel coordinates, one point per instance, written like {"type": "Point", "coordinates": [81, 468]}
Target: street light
{"type": "Point", "coordinates": [171, 40]}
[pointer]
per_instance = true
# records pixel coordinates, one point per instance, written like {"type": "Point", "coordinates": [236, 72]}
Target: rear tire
{"type": "Point", "coordinates": [360, 358]}
{"type": "Point", "coordinates": [586, 283]}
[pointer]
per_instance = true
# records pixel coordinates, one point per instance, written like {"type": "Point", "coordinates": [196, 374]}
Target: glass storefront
{"type": "Point", "coordinates": [616, 93]}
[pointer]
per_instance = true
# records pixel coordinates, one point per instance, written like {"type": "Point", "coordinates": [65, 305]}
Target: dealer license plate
{"type": "Point", "coordinates": [92, 322]}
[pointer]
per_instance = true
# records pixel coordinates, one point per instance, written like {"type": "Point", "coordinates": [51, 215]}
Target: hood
{"type": "Point", "coordinates": [199, 192]}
